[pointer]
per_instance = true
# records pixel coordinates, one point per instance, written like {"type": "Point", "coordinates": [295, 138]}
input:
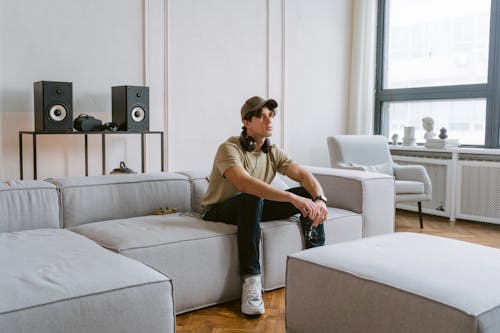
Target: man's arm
{"type": "Point", "coordinates": [245, 183]}
{"type": "Point", "coordinates": [311, 184]}
{"type": "Point", "coordinates": [305, 178]}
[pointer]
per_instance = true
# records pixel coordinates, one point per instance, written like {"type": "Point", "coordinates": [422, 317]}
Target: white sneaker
{"type": "Point", "coordinates": [251, 296]}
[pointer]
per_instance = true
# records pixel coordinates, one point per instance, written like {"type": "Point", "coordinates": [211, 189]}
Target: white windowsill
{"type": "Point", "coordinates": [484, 151]}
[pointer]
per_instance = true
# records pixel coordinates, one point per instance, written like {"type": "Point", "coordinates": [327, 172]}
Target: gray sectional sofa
{"type": "Point", "coordinates": [55, 280]}
{"type": "Point", "coordinates": [87, 254]}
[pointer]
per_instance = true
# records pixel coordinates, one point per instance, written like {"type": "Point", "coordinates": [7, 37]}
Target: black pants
{"type": "Point", "coordinates": [247, 211]}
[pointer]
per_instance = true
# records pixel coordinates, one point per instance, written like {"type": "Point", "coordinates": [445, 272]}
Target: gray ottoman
{"type": "Point", "coordinates": [401, 282]}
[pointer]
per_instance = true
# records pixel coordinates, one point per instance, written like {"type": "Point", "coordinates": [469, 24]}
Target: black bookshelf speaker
{"type": "Point", "coordinates": [53, 106]}
{"type": "Point", "coordinates": [130, 108]}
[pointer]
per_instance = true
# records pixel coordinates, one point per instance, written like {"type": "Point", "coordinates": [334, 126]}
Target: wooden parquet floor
{"type": "Point", "coordinates": [227, 317]}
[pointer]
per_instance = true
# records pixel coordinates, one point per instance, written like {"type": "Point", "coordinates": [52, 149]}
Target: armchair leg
{"type": "Point", "coordinates": [420, 214]}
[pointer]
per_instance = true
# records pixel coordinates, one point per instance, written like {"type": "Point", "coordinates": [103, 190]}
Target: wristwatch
{"type": "Point", "coordinates": [320, 197]}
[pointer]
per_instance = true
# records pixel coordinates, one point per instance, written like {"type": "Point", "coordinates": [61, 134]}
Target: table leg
{"type": "Point", "coordinates": [20, 155]}
{"type": "Point", "coordinates": [34, 157]}
{"type": "Point", "coordinates": [103, 150]}
{"type": "Point", "coordinates": [143, 139]}
{"type": "Point", "coordinates": [162, 153]}
{"type": "Point", "coordinates": [86, 156]}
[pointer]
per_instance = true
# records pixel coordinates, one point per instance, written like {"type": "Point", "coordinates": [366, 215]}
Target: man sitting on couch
{"type": "Point", "coordinates": [239, 193]}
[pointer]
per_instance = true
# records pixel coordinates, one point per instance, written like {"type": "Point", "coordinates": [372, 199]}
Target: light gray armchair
{"type": "Point", "coordinates": [371, 153]}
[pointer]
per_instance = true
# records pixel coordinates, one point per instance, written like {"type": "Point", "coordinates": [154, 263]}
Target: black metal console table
{"type": "Point", "coordinates": [103, 135]}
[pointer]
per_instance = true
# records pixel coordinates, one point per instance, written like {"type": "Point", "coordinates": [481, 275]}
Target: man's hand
{"type": "Point", "coordinates": [316, 211]}
{"type": "Point", "coordinates": [322, 214]}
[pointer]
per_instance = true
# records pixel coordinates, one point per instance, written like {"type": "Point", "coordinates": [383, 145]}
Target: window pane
{"type": "Point", "coordinates": [464, 119]}
{"type": "Point", "coordinates": [436, 42]}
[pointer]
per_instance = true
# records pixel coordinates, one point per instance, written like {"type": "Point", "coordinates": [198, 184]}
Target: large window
{"type": "Point", "coordinates": [439, 59]}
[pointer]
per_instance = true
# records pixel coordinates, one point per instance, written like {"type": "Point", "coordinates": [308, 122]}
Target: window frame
{"type": "Point", "coordinates": [489, 91]}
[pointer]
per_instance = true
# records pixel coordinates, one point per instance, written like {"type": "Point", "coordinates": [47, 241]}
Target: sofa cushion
{"type": "Point", "coordinates": [409, 187]}
{"type": "Point", "coordinates": [201, 257]}
{"type": "Point", "coordinates": [28, 204]}
{"type": "Point", "coordinates": [153, 230]}
{"type": "Point", "coordinates": [58, 274]}
{"type": "Point", "coordinates": [101, 198]}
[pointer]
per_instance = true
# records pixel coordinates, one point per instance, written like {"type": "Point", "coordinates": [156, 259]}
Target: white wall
{"type": "Point", "coordinates": [317, 67]}
{"type": "Point", "coordinates": [201, 60]}
{"type": "Point", "coordinates": [217, 57]}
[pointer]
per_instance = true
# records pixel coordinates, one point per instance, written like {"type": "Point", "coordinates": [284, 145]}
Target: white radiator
{"type": "Point", "coordinates": [465, 181]}
{"type": "Point", "coordinates": [479, 190]}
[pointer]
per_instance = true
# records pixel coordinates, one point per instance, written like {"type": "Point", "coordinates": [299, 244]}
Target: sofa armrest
{"type": "Point", "coordinates": [367, 193]}
{"type": "Point", "coordinates": [343, 165]}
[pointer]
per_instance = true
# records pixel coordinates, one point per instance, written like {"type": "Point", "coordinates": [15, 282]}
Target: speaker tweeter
{"type": "Point", "coordinates": [53, 103]}
{"type": "Point", "coordinates": [130, 108]}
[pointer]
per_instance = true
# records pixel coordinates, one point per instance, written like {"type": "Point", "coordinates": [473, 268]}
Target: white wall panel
{"type": "Point", "coordinates": [317, 67]}
{"type": "Point", "coordinates": [156, 76]}
{"type": "Point", "coordinates": [275, 64]}
{"type": "Point", "coordinates": [217, 59]}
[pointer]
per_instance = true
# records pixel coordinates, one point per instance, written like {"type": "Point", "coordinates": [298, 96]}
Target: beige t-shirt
{"type": "Point", "coordinates": [258, 164]}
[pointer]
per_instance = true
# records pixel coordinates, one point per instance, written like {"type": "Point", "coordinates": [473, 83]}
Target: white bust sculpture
{"type": "Point", "coordinates": [428, 124]}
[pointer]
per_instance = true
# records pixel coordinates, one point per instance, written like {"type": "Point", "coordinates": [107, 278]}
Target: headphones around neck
{"type": "Point", "coordinates": [248, 143]}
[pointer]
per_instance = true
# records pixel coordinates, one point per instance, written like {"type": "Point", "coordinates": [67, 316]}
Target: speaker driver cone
{"type": "Point", "coordinates": [138, 114]}
{"type": "Point", "coordinates": [58, 113]}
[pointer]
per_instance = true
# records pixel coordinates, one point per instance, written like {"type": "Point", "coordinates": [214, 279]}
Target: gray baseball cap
{"type": "Point", "coordinates": [256, 103]}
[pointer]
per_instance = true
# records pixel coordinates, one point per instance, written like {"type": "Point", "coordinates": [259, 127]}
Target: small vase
{"type": "Point", "coordinates": [409, 139]}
